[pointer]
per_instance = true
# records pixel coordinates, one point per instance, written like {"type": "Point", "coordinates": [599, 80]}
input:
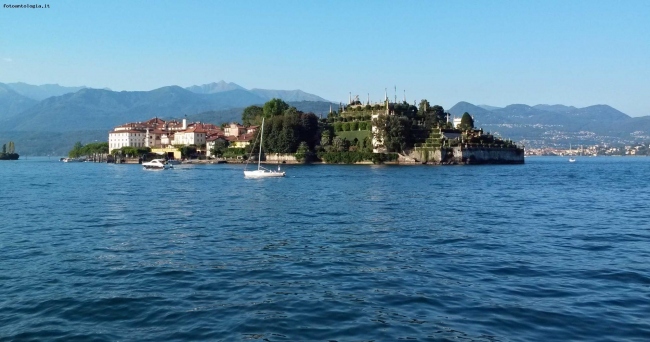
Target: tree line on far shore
{"type": "Point", "coordinates": [290, 131]}
{"type": "Point", "coordinates": [9, 152]}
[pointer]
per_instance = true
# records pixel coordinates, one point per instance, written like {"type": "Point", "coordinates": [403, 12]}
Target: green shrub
{"type": "Point", "coordinates": [233, 152]}
{"type": "Point", "coordinates": [354, 126]}
{"type": "Point", "coordinates": [352, 157]}
{"type": "Point", "coordinates": [346, 126]}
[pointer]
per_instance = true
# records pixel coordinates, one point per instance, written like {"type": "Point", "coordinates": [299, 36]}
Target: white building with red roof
{"type": "Point", "coordinates": [158, 133]}
{"type": "Point", "coordinates": [194, 135]}
{"type": "Point", "coordinates": [234, 130]}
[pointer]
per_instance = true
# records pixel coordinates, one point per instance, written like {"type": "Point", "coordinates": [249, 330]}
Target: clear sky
{"type": "Point", "coordinates": [485, 52]}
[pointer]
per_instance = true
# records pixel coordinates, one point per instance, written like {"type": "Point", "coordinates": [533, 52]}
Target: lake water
{"type": "Point", "coordinates": [549, 250]}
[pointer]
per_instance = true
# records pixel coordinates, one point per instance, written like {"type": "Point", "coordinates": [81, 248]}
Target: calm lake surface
{"type": "Point", "coordinates": [549, 250]}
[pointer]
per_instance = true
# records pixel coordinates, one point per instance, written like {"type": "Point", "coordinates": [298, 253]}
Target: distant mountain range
{"type": "Point", "coordinates": [81, 108]}
{"type": "Point", "coordinates": [267, 94]}
{"type": "Point", "coordinates": [41, 92]}
{"type": "Point", "coordinates": [29, 111]}
{"type": "Point", "coordinates": [12, 103]}
{"type": "Point", "coordinates": [548, 125]}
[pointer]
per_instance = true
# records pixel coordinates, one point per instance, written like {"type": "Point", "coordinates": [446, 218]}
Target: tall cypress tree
{"type": "Point", "coordinates": [466, 122]}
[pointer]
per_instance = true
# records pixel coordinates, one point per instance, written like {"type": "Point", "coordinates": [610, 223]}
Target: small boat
{"type": "Point", "coordinates": [572, 160]}
{"type": "Point", "coordinates": [73, 160]}
{"type": "Point", "coordinates": [156, 164]}
{"type": "Point", "coordinates": [173, 162]}
{"type": "Point", "coordinates": [262, 172]}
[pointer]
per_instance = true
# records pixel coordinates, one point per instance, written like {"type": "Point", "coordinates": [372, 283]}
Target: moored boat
{"type": "Point", "coordinates": [262, 172]}
{"type": "Point", "coordinates": [156, 164]}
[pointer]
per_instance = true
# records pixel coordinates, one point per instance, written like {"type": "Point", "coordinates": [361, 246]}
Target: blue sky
{"type": "Point", "coordinates": [485, 52]}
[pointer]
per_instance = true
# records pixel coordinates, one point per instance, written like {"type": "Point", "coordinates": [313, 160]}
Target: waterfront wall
{"type": "Point", "coordinates": [280, 157]}
{"type": "Point", "coordinates": [469, 155]}
{"type": "Point", "coordinates": [488, 155]}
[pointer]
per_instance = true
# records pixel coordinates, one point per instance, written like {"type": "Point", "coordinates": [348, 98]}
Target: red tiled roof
{"type": "Point", "coordinates": [243, 137]}
{"type": "Point", "coordinates": [154, 122]}
{"type": "Point", "coordinates": [127, 131]}
{"type": "Point", "coordinates": [215, 137]}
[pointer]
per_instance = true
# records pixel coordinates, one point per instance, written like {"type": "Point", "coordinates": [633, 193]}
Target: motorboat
{"type": "Point", "coordinates": [73, 160]}
{"type": "Point", "coordinates": [157, 164]}
{"type": "Point", "coordinates": [572, 160]}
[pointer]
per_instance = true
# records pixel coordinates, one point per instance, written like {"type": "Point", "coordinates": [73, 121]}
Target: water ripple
{"type": "Point", "coordinates": [543, 251]}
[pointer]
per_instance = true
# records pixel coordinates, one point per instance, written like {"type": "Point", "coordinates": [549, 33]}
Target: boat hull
{"type": "Point", "coordinates": [156, 164]}
{"type": "Point", "coordinates": [156, 167]}
{"type": "Point", "coordinates": [262, 174]}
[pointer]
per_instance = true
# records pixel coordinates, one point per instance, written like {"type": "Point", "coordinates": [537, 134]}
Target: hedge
{"type": "Point", "coordinates": [355, 157]}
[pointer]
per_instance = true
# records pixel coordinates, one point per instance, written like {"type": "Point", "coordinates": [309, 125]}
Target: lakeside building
{"type": "Point", "coordinates": [162, 136]}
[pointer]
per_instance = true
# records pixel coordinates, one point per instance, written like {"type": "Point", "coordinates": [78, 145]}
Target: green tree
{"type": "Point", "coordinates": [187, 151]}
{"type": "Point", "coordinates": [304, 154]}
{"type": "Point", "coordinates": [326, 138]}
{"type": "Point", "coordinates": [274, 107]}
{"type": "Point", "coordinates": [466, 122]}
{"type": "Point", "coordinates": [366, 145]}
{"type": "Point", "coordinates": [219, 147]}
{"type": "Point", "coordinates": [423, 107]}
{"type": "Point", "coordinates": [252, 115]}
{"type": "Point", "coordinates": [345, 145]}
{"type": "Point", "coordinates": [76, 151]}
{"type": "Point", "coordinates": [393, 132]}
{"type": "Point", "coordinates": [309, 129]}
{"type": "Point", "coordinates": [95, 148]}
{"type": "Point", "coordinates": [434, 117]}
{"type": "Point", "coordinates": [354, 125]}
{"type": "Point", "coordinates": [337, 144]}
{"type": "Point", "coordinates": [346, 126]}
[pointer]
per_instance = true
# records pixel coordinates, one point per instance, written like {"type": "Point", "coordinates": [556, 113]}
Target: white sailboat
{"type": "Point", "coordinates": [262, 172]}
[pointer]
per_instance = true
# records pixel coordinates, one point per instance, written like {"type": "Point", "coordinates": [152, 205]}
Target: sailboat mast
{"type": "Point", "coordinates": [259, 157]}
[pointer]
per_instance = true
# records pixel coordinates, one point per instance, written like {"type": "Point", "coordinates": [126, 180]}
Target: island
{"type": "Point", "coordinates": [9, 152]}
{"type": "Point", "coordinates": [355, 133]}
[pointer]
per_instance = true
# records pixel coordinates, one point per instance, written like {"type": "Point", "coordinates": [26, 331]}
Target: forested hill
{"type": "Point", "coordinates": [546, 125]}
{"type": "Point", "coordinates": [95, 109]}
{"type": "Point", "coordinates": [91, 109]}
{"type": "Point", "coordinates": [319, 108]}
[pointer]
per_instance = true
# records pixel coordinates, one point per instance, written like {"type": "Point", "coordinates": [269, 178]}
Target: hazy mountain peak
{"type": "Point", "coordinates": [287, 95]}
{"type": "Point", "coordinates": [41, 92]}
{"type": "Point", "coordinates": [555, 108]}
{"type": "Point", "coordinates": [214, 87]}
{"type": "Point", "coordinates": [462, 107]}
{"type": "Point", "coordinates": [12, 103]}
{"type": "Point", "coordinates": [488, 107]}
